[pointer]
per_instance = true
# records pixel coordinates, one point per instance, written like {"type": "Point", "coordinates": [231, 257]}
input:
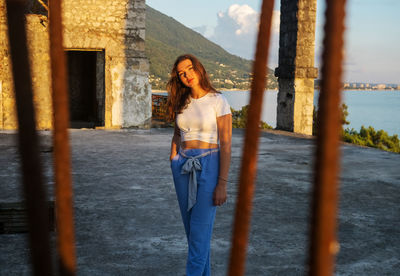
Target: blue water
{"type": "Point", "coordinates": [379, 109]}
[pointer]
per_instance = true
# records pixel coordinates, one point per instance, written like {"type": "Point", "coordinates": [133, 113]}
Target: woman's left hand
{"type": "Point", "coordinates": [220, 196]}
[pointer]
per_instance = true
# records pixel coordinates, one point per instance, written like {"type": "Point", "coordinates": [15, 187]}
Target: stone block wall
{"type": "Point", "coordinates": [116, 27]}
{"type": "Point", "coordinates": [38, 46]}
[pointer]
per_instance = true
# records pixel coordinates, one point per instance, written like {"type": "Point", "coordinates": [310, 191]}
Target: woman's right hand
{"type": "Point", "coordinates": [172, 156]}
{"type": "Point", "coordinates": [175, 143]}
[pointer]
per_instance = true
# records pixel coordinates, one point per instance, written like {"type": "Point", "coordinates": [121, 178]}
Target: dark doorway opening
{"type": "Point", "coordinates": [86, 88]}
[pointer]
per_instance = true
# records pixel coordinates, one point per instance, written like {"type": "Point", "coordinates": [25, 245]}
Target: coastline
{"type": "Point", "coordinates": [221, 89]}
{"type": "Point", "coordinates": [158, 91]}
{"type": "Point", "coordinates": [383, 104]}
{"type": "Point", "coordinates": [236, 90]}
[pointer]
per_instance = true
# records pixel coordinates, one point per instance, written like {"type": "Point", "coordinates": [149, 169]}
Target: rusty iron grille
{"type": "Point", "coordinates": [323, 245]}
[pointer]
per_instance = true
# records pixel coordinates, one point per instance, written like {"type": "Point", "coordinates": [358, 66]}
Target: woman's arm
{"type": "Point", "coordinates": [175, 143]}
{"type": "Point", "coordinates": [224, 124]}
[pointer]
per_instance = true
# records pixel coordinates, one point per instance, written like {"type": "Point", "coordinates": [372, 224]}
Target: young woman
{"type": "Point", "coordinates": [200, 155]}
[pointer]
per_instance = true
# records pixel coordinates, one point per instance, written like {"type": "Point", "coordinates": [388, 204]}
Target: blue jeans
{"type": "Point", "coordinates": [199, 220]}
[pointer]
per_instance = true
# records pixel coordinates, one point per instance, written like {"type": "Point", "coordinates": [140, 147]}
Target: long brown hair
{"type": "Point", "coordinates": [178, 93]}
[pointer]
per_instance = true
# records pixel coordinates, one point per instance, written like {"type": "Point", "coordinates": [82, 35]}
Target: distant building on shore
{"type": "Point", "coordinates": [366, 86]}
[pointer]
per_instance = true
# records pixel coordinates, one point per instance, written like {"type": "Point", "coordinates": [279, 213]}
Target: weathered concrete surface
{"type": "Point", "coordinates": [128, 223]}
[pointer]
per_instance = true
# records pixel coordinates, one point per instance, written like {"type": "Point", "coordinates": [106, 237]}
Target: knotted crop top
{"type": "Point", "coordinates": [198, 121]}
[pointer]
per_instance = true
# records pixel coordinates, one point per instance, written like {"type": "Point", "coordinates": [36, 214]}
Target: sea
{"type": "Point", "coordinates": [379, 109]}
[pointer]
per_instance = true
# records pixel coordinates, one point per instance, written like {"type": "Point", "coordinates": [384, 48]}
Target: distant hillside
{"type": "Point", "coordinates": [166, 39]}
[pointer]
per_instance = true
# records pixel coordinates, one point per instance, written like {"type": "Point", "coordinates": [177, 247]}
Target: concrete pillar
{"type": "Point", "coordinates": [296, 71]}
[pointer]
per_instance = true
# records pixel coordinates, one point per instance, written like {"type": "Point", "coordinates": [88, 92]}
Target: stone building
{"type": "Point", "coordinates": [108, 71]}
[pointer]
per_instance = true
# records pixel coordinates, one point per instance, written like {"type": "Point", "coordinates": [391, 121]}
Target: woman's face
{"type": "Point", "coordinates": [187, 74]}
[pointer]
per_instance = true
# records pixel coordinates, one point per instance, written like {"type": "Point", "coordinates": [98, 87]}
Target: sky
{"type": "Point", "coordinates": [372, 38]}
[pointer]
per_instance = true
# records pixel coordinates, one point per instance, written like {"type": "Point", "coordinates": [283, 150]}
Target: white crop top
{"type": "Point", "coordinates": [198, 121]}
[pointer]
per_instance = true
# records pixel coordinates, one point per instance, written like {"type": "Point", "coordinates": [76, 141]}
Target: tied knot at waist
{"type": "Point", "coordinates": [190, 167]}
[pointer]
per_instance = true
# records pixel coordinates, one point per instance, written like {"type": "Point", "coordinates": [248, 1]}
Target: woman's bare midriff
{"type": "Point", "coordinates": [197, 144]}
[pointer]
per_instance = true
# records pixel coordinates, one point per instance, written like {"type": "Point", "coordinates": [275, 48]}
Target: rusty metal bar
{"type": "Point", "coordinates": [249, 160]}
{"type": "Point", "coordinates": [323, 244]}
{"type": "Point", "coordinates": [62, 160]}
{"type": "Point", "coordinates": [33, 187]}
{"type": "Point", "coordinates": [43, 5]}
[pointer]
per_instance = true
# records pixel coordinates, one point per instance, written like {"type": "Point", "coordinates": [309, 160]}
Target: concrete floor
{"type": "Point", "coordinates": [128, 223]}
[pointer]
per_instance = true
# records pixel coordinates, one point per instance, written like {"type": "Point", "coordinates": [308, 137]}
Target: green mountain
{"type": "Point", "coordinates": [166, 39]}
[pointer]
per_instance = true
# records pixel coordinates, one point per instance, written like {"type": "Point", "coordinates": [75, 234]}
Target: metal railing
{"type": "Point", "coordinates": [323, 245]}
{"type": "Point", "coordinates": [159, 107]}
{"type": "Point", "coordinates": [34, 190]}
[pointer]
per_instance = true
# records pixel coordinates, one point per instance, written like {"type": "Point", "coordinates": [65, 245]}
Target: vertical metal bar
{"type": "Point", "coordinates": [323, 244]}
{"type": "Point", "coordinates": [249, 160]}
{"type": "Point", "coordinates": [34, 190]}
{"type": "Point", "coordinates": [62, 160]}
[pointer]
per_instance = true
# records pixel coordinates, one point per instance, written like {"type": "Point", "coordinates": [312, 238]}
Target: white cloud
{"type": "Point", "coordinates": [245, 17]}
{"type": "Point", "coordinates": [276, 22]}
{"type": "Point", "coordinates": [236, 31]}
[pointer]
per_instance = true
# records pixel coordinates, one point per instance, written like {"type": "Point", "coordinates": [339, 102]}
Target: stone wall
{"type": "Point", "coordinates": [116, 27]}
{"type": "Point", "coordinates": [296, 72]}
